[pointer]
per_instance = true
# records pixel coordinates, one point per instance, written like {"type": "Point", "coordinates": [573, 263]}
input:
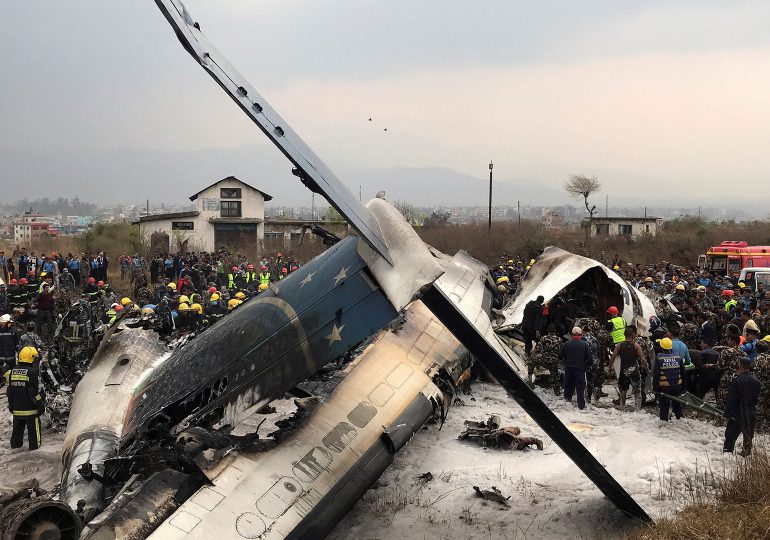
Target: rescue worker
{"type": "Point", "coordinates": [741, 407]}
{"type": "Point", "coordinates": [91, 293]}
{"type": "Point", "coordinates": [576, 359]}
{"type": "Point", "coordinates": [32, 286]}
{"type": "Point", "coordinates": [233, 303]}
{"type": "Point", "coordinates": [25, 401]}
{"type": "Point", "coordinates": [9, 342]}
{"type": "Point", "coordinates": [531, 322]}
{"type": "Point", "coordinates": [231, 278]}
{"type": "Point", "coordinates": [593, 344]}
{"type": "Point", "coordinates": [616, 326]}
{"type": "Point", "coordinates": [215, 309]}
{"type": "Point", "coordinates": [668, 379]}
{"type": "Point", "coordinates": [284, 273]}
{"type": "Point", "coordinates": [5, 301]}
{"type": "Point", "coordinates": [264, 276]}
{"type": "Point", "coordinates": [546, 356]}
{"type": "Point", "coordinates": [251, 275]}
{"type": "Point", "coordinates": [728, 367]}
{"type": "Point", "coordinates": [632, 362]}
{"type": "Point", "coordinates": [18, 295]}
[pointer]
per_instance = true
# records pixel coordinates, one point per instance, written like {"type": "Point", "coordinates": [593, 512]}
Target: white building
{"type": "Point", "coordinates": [625, 226]}
{"type": "Point", "coordinates": [228, 213]}
{"type": "Point", "coordinates": [29, 226]}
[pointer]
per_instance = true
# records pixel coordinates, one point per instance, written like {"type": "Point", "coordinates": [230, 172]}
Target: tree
{"type": "Point", "coordinates": [579, 185]}
{"type": "Point", "coordinates": [437, 218]}
{"type": "Point", "coordinates": [410, 213]}
{"type": "Point", "coordinates": [333, 216]}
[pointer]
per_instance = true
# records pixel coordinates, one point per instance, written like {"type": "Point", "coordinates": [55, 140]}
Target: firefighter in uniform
{"type": "Point", "coordinates": [264, 276]}
{"type": "Point", "coordinates": [616, 326]}
{"type": "Point", "coordinates": [25, 400]}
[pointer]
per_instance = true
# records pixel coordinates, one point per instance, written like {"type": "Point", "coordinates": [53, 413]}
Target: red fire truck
{"type": "Point", "coordinates": [733, 256]}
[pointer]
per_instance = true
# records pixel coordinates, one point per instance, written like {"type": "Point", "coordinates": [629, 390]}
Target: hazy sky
{"type": "Point", "coordinates": [674, 93]}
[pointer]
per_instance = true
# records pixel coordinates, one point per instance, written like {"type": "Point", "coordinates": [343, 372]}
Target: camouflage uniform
{"type": "Point", "coordinates": [144, 296]}
{"type": "Point", "coordinates": [689, 335]}
{"type": "Point", "coordinates": [649, 351]}
{"type": "Point", "coordinates": [605, 342]}
{"type": "Point", "coordinates": [667, 317]}
{"type": "Point", "coordinates": [728, 365]}
{"type": "Point", "coordinates": [546, 356]}
{"type": "Point", "coordinates": [761, 369]}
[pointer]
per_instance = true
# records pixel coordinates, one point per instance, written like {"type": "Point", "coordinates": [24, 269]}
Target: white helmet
{"type": "Point", "coordinates": [5, 318]}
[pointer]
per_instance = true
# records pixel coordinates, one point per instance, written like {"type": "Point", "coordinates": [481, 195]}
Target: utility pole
{"type": "Point", "coordinates": [518, 211]}
{"type": "Point", "coordinates": [606, 206]}
{"type": "Point", "coordinates": [359, 192]}
{"type": "Point", "coordinates": [490, 196]}
{"type": "Point", "coordinates": [312, 207]}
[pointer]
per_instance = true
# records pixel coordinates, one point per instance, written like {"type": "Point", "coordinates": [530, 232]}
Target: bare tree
{"type": "Point", "coordinates": [579, 185]}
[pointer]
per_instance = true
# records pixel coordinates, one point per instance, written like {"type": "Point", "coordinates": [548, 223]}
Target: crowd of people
{"type": "Point", "coordinates": [710, 335]}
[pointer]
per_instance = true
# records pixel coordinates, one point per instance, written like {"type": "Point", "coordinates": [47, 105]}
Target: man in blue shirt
{"type": "Point", "coordinates": [749, 348]}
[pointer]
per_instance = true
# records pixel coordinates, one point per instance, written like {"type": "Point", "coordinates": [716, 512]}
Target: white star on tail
{"type": "Point", "coordinates": [307, 279]}
{"type": "Point", "coordinates": [342, 275]}
{"type": "Point", "coordinates": [335, 335]}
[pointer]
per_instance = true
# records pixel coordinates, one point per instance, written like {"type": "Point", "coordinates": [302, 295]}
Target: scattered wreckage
{"type": "Point", "coordinates": [151, 449]}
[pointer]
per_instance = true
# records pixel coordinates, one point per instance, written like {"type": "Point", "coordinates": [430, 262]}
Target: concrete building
{"type": "Point", "coordinates": [625, 226]}
{"type": "Point", "coordinates": [553, 220]}
{"type": "Point", "coordinates": [227, 213]}
{"type": "Point", "coordinates": [30, 225]}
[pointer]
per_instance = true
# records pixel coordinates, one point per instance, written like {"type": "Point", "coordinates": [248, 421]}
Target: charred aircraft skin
{"type": "Point", "coordinates": [99, 404]}
{"type": "Point", "coordinates": [265, 347]}
{"type": "Point", "coordinates": [306, 485]}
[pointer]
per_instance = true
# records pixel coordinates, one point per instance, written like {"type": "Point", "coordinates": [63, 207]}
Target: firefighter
{"type": "Point", "coordinates": [616, 326]}
{"type": "Point", "coordinates": [24, 399]}
{"type": "Point", "coordinates": [264, 276]}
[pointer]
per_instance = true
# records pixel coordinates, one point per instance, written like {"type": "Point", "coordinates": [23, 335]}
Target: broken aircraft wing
{"type": "Point", "coordinates": [311, 170]}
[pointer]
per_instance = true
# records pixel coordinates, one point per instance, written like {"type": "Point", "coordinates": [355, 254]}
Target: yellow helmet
{"type": "Point", "coordinates": [184, 299]}
{"type": "Point", "coordinates": [28, 355]}
{"type": "Point", "coordinates": [528, 267]}
{"type": "Point", "coordinates": [666, 343]}
{"type": "Point", "coordinates": [183, 307]}
{"type": "Point", "coordinates": [198, 308]}
{"type": "Point", "coordinates": [766, 338]}
{"type": "Point", "coordinates": [741, 284]}
{"type": "Point", "coordinates": [510, 261]}
{"type": "Point", "coordinates": [531, 262]}
{"type": "Point", "coordinates": [262, 287]}
{"type": "Point", "coordinates": [234, 303]}
{"type": "Point", "coordinates": [125, 301]}
{"type": "Point", "coordinates": [616, 267]}
{"type": "Point", "coordinates": [240, 296]}
{"type": "Point", "coordinates": [172, 286]}
{"type": "Point", "coordinates": [215, 297]}
{"type": "Point", "coordinates": [679, 287]}
{"type": "Point", "coordinates": [503, 279]}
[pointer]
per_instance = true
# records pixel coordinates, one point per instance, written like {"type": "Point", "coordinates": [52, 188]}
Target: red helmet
{"type": "Point", "coordinates": [284, 271]}
{"type": "Point", "coordinates": [612, 310]}
{"type": "Point", "coordinates": [101, 283]}
{"type": "Point", "coordinates": [250, 267]}
{"type": "Point", "coordinates": [23, 281]}
{"type": "Point", "coordinates": [293, 268]}
{"type": "Point", "coordinates": [235, 268]}
{"type": "Point", "coordinates": [212, 289]}
{"type": "Point", "coordinates": [14, 282]}
{"type": "Point", "coordinates": [31, 273]}
{"type": "Point", "coordinates": [118, 308]}
{"type": "Point", "coordinates": [264, 267]}
{"type": "Point", "coordinates": [91, 280]}
{"type": "Point", "coordinates": [728, 292]}
{"type": "Point", "coordinates": [279, 254]}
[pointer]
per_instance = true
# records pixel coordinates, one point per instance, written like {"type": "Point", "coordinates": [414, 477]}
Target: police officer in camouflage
{"type": "Point", "coordinates": [546, 356]}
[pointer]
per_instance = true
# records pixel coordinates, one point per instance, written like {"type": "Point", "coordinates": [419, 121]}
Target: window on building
{"type": "Point", "coordinates": [602, 229]}
{"type": "Point", "coordinates": [230, 193]}
{"type": "Point", "coordinates": [182, 226]}
{"type": "Point", "coordinates": [231, 209]}
{"type": "Point", "coordinates": [624, 229]}
{"type": "Point", "coordinates": [646, 228]}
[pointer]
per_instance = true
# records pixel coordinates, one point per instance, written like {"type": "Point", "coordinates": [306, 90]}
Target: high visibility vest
{"type": "Point", "coordinates": [251, 276]}
{"type": "Point", "coordinates": [729, 305]}
{"type": "Point", "coordinates": [264, 279]}
{"type": "Point", "coordinates": [618, 329]}
{"type": "Point", "coordinates": [230, 281]}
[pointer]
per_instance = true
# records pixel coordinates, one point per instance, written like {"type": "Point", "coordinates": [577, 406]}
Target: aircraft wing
{"type": "Point", "coordinates": [309, 167]}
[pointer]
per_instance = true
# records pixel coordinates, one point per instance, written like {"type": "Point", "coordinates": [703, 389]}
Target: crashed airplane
{"type": "Point", "coordinates": [151, 449]}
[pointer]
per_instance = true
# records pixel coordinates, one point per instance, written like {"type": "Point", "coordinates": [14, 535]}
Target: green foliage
{"type": "Point", "coordinates": [333, 216]}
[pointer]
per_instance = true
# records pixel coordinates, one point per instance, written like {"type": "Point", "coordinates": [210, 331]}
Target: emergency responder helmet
{"type": "Point", "coordinates": [293, 268]}
{"type": "Point", "coordinates": [264, 267]}
{"type": "Point", "coordinates": [118, 308]}
{"type": "Point", "coordinates": [250, 267]}
{"type": "Point", "coordinates": [91, 280]}
{"type": "Point", "coordinates": [531, 262]}
{"type": "Point", "coordinates": [727, 292]}
{"type": "Point", "coordinates": [183, 307]}
{"type": "Point", "coordinates": [197, 308]}
{"type": "Point", "coordinates": [233, 303]}
{"type": "Point", "coordinates": [262, 287]}
{"type": "Point", "coordinates": [503, 279]}
{"type": "Point", "coordinates": [14, 282]}
{"type": "Point", "coordinates": [666, 343]}
{"type": "Point", "coordinates": [125, 301]}
{"type": "Point", "coordinates": [28, 355]}
{"type": "Point", "coordinates": [528, 267]}
{"type": "Point", "coordinates": [240, 296]}
{"type": "Point", "coordinates": [613, 310]}
{"type": "Point", "coordinates": [741, 284]}
{"type": "Point", "coordinates": [172, 286]}
{"type": "Point", "coordinates": [701, 288]}
{"type": "Point", "coordinates": [184, 299]}
{"type": "Point", "coordinates": [648, 279]}
{"type": "Point", "coordinates": [212, 290]}
{"type": "Point", "coordinates": [43, 274]}
{"type": "Point", "coordinates": [766, 338]}
{"type": "Point", "coordinates": [215, 297]}
{"type": "Point", "coordinates": [679, 287]}
{"type": "Point", "coordinates": [501, 288]}
{"type": "Point", "coordinates": [284, 271]}
{"type": "Point", "coordinates": [100, 284]}
{"type": "Point", "coordinates": [23, 281]}
{"type": "Point", "coordinates": [31, 273]}
{"type": "Point", "coordinates": [147, 312]}
{"type": "Point", "coordinates": [616, 267]}
{"type": "Point", "coordinates": [235, 268]}
{"type": "Point", "coordinates": [5, 319]}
